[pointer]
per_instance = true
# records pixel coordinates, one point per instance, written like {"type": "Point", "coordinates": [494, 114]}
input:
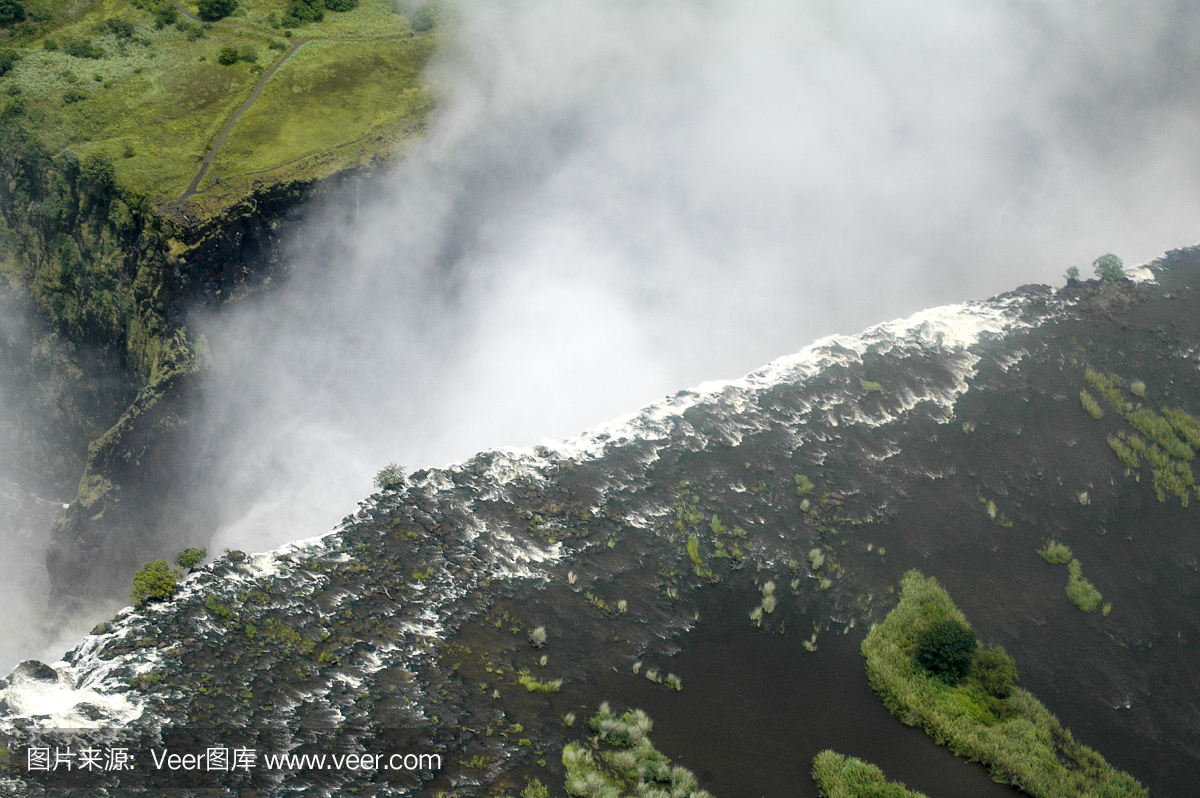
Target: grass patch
{"type": "Point", "coordinates": [1083, 594]}
{"type": "Point", "coordinates": [1109, 388]}
{"type": "Point", "coordinates": [1016, 738]}
{"type": "Point", "coordinates": [534, 685]}
{"type": "Point", "coordinates": [839, 776]}
{"type": "Point", "coordinates": [1185, 424]}
{"type": "Point", "coordinates": [1124, 452]}
{"type": "Point", "coordinates": [1056, 553]}
{"type": "Point", "coordinates": [1091, 405]}
{"type": "Point", "coordinates": [1160, 430]}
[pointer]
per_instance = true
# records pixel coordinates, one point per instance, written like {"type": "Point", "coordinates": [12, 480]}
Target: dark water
{"type": "Point", "coordinates": [756, 707]}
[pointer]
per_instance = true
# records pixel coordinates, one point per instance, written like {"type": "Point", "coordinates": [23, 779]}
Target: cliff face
{"type": "Point", "coordinates": [100, 372]}
{"type": "Point", "coordinates": [955, 442]}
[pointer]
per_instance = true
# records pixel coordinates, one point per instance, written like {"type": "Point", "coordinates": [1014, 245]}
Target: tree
{"type": "Point", "coordinates": [995, 671]}
{"type": "Point", "coordinates": [307, 10]}
{"type": "Point", "coordinates": [947, 649]}
{"type": "Point", "coordinates": [390, 478]}
{"type": "Point", "coordinates": [154, 581]}
{"type": "Point", "coordinates": [99, 173]}
{"type": "Point", "coordinates": [1109, 267]}
{"type": "Point", "coordinates": [11, 11]}
{"type": "Point", "coordinates": [190, 557]}
{"type": "Point", "coordinates": [213, 10]}
{"type": "Point", "coordinates": [1072, 274]}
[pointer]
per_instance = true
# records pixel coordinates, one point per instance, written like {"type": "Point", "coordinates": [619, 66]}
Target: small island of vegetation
{"type": "Point", "coordinates": [926, 664]}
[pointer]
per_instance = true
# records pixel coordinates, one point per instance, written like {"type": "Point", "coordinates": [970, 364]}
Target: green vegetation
{"type": "Point", "coordinates": [621, 761]}
{"type": "Point", "coordinates": [839, 776]}
{"type": "Point", "coordinates": [804, 485]}
{"type": "Point", "coordinates": [869, 386]}
{"type": "Point", "coordinates": [1091, 405]}
{"type": "Point", "coordinates": [1083, 594]}
{"type": "Point", "coordinates": [390, 477]}
{"type": "Point", "coordinates": [534, 789]}
{"type": "Point", "coordinates": [1109, 267]}
{"type": "Point", "coordinates": [1159, 430]}
{"type": "Point", "coordinates": [190, 557]}
{"type": "Point", "coordinates": [1015, 736]}
{"type": "Point", "coordinates": [1109, 387]}
{"type": "Point", "coordinates": [1125, 453]}
{"type": "Point", "coordinates": [1072, 273]}
{"type": "Point", "coordinates": [1056, 553]}
{"type": "Point", "coordinates": [534, 685]}
{"type": "Point", "coordinates": [946, 649]}
{"type": "Point", "coordinates": [1185, 424]}
{"type": "Point", "coordinates": [537, 637]}
{"type": "Point", "coordinates": [154, 581]}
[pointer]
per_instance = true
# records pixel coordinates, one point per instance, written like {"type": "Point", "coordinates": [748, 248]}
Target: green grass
{"type": "Point", "coordinates": [1016, 738]}
{"type": "Point", "coordinates": [1091, 405]}
{"type": "Point", "coordinates": [1187, 425]}
{"type": "Point", "coordinates": [1160, 430]}
{"type": "Point", "coordinates": [1056, 553]}
{"type": "Point", "coordinates": [155, 102]}
{"type": "Point", "coordinates": [1109, 387]}
{"type": "Point", "coordinates": [839, 776]}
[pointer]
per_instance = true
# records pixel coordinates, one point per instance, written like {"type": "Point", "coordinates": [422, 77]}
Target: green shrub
{"type": "Point", "coordinates": [11, 11]}
{"type": "Point", "coordinates": [391, 476]}
{"type": "Point", "coordinates": [190, 557]}
{"type": "Point", "coordinates": [534, 789]}
{"type": "Point", "coordinates": [306, 10]}
{"type": "Point", "coordinates": [213, 10]}
{"type": "Point", "coordinates": [425, 18]}
{"type": "Point", "coordinates": [804, 485]}
{"type": "Point", "coordinates": [81, 48]}
{"type": "Point", "coordinates": [8, 59]}
{"type": "Point", "coordinates": [165, 14]}
{"type": "Point", "coordinates": [120, 27]}
{"type": "Point", "coordinates": [228, 56]}
{"type": "Point", "coordinates": [1072, 273]}
{"type": "Point", "coordinates": [1109, 267]}
{"type": "Point", "coordinates": [1016, 738]}
{"type": "Point", "coordinates": [1083, 594]}
{"type": "Point", "coordinates": [248, 54]}
{"type": "Point", "coordinates": [946, 650]}
{"type": "Point", "coordinates": [839, 776]}
{"type": "Point", "coordinates": [73, 96]}
{"type": "Point", "coordinates": [869, 386]}
{"type": "Point", "coordinates": [995, 671]}
{"type": "Point", "coordinates": [339, 5]}
{"type": "Point", "coordinates": [1056, 553]}
{"type": "Point", "coordinates": [154, 581]}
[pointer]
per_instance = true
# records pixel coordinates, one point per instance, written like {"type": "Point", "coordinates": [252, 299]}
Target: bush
{"type": "Point", "coordinates": [190, 557]}
{"type": "Point", "coordinates": [391, 476]}
{"type": "Point", "coordinates": [946, 650]}
{"type": "Point", "coordinates": [228, 56]}
{"type": "Point", "coordinates": [1091, 405]}
{"type": "Point", "coordinates": [306, 10]}
{"type": "Point", "coordinates": [81, 48]}
{"type": "Point", "coordinates": [11, 11]}
{"type": "Point", "coordinates": [166, 14]}
{"type": "Point", "coordinates": [339, 5]}
{"type": "Point", "coordinates": [213, 10]}
{"type": "Point", "coordinates": [248, 54]}
{"type": "Point", "coordinates": [99, 173]}
{"type": "Point", "coordinates": [425, 19]}
{"type": "Point", "coordinates": [8, 59]}
{"type": "Point", "coordinates": [74, 96]}
{"type": "Point", "coordinates": [120, 27]}
{"type": "Point", "coordinates": [155, 581]}
{"type": "Point", "coordinates": [1109, 267]}
{"type": "Point", "coordinates": [995, 671]}
{"type": "Point", "coordinates": [1056, 553]}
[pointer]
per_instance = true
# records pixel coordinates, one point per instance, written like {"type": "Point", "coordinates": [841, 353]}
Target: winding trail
{"type": "Point", "coordinates": [208, 159]}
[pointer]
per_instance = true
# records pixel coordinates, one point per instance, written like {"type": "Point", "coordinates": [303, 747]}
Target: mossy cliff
{"type": "Point", "coordinates": [115, 224]}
